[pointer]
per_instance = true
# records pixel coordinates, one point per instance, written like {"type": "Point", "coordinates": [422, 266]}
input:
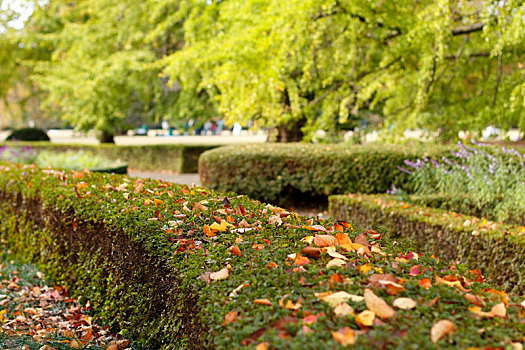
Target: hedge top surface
{"type": "Point", "coordinates": [269, 278]}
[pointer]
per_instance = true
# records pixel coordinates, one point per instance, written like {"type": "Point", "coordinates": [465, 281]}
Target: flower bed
{"type": "Point", "coordinates": [175, 267]}
{"type": "Point", "coordinates": [494, 247]}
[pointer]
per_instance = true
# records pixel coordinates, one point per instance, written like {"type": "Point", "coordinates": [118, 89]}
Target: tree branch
{"type": "Point", "coordinates": [476, 27]}
{"type": "Point", "coordinates": [498, 81]}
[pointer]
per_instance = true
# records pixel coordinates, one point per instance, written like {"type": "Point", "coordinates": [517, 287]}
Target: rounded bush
{"type": "Point", "coordinates": [28, 134]}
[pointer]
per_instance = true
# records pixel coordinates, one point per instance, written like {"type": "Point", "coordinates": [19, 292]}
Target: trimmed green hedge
{"type": "Point", "coordinates": [155, 263]}
{"type": "Point", "coordinates": [173, 158]}
{"type": "Point", "coordinates": [496, 248]}
{"type": "Point", "coordinates": [278, 173]}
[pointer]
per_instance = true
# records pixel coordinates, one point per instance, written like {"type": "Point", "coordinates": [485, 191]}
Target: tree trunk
{"type": "Point", "coordinates": [107, 137]}
{"type": "Point", "coordinates": [291, 132]}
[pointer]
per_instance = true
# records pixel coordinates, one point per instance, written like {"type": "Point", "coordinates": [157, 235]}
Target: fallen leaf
{"type": "Point", "coordinates": [365, 318]}
{"type": "Point", "coordinates": [362, 239]}
{"type": "Point", "coordinates": [378, 305]}
{"type": "Point", "coordinates": [301, 260]}
{"type": "Point", "coordinates": [335, 263]}
{"type": "Point", "coordinates": [343, 310]}
{"type": "Point", "coordinates": [311, 252]}
{"type": "Point", "coordinates": [208, 232]}
{"type": "Point", "coordinates": [451, 281]}
{"type": "Point", "coordinates": [263, 302]}
{"type": "Point", "coordinates": [289, 304]}
{"type": "Point", "coordinates": [374, 279]}
{"type": "Point", "coordinates": [235, 250]}
{"type": "Point", "coordinates": [425, 283]}
{"type": "Point", "coordinates": [415, 270]}
{"type": "Point", "coordinates": [230, 317]}
{"type": "Point", "coordinates": [334, 299]}
{"type": "Point", "coordinates": [345, 336]}
{"type": "Point", "coordinates": [325, 240]}
{"type": "Point", "coordinates": [342, 239]}
{"type": "Point", "coordinates": [262, 346]}
{"type": "Point", "coordinates": [440, 329]}
{"type": "Point", "coordinates": [475, 299]}
{"type": "Point", "coordinates": [335, 278]}
{"type": "Point", "coordinates": [392, 288]}
{"type": "Point", "coordinates": [405, 303]}
{"type": "Point", "coordinates": [220, 275]}
{"type": "Point", "coordinates": [315, 228]}
{"type": "Point", "coordinates": [331, 251]}
{"type": "Point", "coordinates": [237, 289]}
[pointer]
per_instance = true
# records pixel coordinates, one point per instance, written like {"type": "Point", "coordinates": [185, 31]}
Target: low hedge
{"type": "Point", "coordinates": [174, 267]}
{"type": "Point", "coordinates": [496, 248]}
{"type": "Point", "coordinates": [279, 173]}
{"type": "Point", "coordinates": [172, 158]}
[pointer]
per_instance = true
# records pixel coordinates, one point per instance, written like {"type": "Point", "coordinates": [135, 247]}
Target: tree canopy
{"type": "Point", "coordinates": [440, 65]}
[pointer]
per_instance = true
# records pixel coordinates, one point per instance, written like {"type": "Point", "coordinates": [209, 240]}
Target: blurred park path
{"type": "Point", "coordinates": [183, 179]}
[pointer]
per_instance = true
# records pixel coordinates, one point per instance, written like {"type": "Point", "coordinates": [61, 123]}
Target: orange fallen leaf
{"type": "Point", "coordinates": [425, 283]}
{"type": "Point", "coordinates": [475, 299]}
{"type": "Point", "coordinates": [301, 260]}
{"type": "Point", "coordinates": [342, 239]}
{"type": "Point", "coordinates": [263, 302]}
{"type": "Point", "coordinates": [440, 329]}
{"type": "Point", "coordinates": [392, 288]}
{"type": "Point", "coordinates": [345, 336]}
{"type": "Point", "coordinates": [235, 250]}
{"type": "Point", "coordinates": [230, 317]}
{"type": "Point", "coordinates": [378, 305]}
{"type": "Point", "coordinates": [262, 346]}
{"type": "Point", "coordinates": [365, 318]}
{"type": "Point", "coordinates": [208, 232]}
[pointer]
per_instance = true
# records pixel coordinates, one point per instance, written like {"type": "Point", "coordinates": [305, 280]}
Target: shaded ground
{"type": "Point", "coordinates": [36, 314]}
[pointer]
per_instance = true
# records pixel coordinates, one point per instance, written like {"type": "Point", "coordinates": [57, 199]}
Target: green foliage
{"type": "Point", "coordinates": [173, 158]}
{"type": "Point", "coordinates": [497, 249]}
{"type": "Point", "coordinates": [143, 262]}
{"type": "Point", "coordinates": [439, 65]}
{"type": "Point", "coordinates": [278, 173]}
{"type": "Point", "coordinates": [28, 134]}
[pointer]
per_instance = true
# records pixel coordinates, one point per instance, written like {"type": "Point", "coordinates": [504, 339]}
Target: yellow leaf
{"type": "Point", "coordinates": [345, 336]}
{"type": "Point", "coordinates": [208, 231]}
{"type": "Point", "coordinates": [223, 226]}
{"type": "Point", "coordinates": [262, 346]}
{"type": "Point", "coordinates": [440, 329]}
{"type": "Point", "coordinates": [365, 318]}
{"type": "Point", "coordinates": [365, 268]}
{"type": "Point", "coordinates": [378, 305]}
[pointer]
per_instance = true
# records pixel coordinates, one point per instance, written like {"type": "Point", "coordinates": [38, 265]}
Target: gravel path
{"type": "Point", "coordinates": [183, 179]}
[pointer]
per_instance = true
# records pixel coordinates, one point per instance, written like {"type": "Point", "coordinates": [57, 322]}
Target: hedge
{"type": "Point", "coordinates": [173, 158]}
{"type": "Point", "coordinates": [279, 173]}
{"type": "Point", "coordinates": [174, 267]}
{"type": "Point", "coordinates": [496, 248]}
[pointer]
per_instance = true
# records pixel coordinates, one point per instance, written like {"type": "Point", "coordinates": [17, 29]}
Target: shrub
{"type": "Point", "coordinates": [28, 134]}
{"type": "Point", "coordinates": [176, 267]}
{"type": "Point", "coordinates": [280, 172]}
{"type": "Point", "coordinates": [75, 160]}
{"type": "Point", "coordinates": [498, 249]}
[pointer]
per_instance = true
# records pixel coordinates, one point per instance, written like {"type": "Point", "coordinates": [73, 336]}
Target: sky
{"type": "Point", "coordinates": [24, 7]}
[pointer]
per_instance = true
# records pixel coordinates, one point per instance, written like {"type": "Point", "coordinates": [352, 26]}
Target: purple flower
{"type": "Point", "coordinates": [479, 143]}
{"type": "Point", "coordinates": [404, 170]}
{"type": "Point", "coordinates": [446, 160]}
{"type": "Point", "coordinates": [393, 190]}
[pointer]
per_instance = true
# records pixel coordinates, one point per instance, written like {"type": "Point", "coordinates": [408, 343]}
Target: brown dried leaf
{"type": "Point", "coordinates": [230, 317]}
{"type": "Point", "coordinates": [405, 303]}
{"type": "Point", "coordinates": [311, 252]}
{"type": "Point", "coordinates": [325, 240]}
{"type": "Point", "coordinates": [362, 239]}
{"type": "Point", "coordinates": [343, 310]}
